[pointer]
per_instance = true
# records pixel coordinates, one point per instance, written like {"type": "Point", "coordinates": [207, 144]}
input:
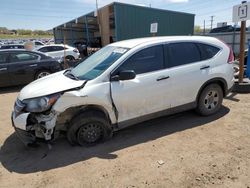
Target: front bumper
{"type": "Point", "coordinates": [29, 127]}
{"type": "Point", "coordinates": [20, 129]}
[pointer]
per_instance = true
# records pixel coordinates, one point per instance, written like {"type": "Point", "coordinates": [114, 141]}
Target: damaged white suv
{"type": "Point", "coordinates": [125, 83]}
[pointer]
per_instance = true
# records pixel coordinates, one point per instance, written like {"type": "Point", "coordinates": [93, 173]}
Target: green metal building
{"type": "Point", "coordinates": [119, 21]}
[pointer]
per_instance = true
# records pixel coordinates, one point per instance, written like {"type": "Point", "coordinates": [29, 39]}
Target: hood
{"type": "Point", "coordinates": [50, 84]}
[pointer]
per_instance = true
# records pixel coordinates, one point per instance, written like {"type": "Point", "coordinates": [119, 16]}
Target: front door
{"type": "Point", "coordinates": [148, 92]}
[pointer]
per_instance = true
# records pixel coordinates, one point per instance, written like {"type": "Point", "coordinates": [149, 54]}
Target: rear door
{"type": "Point", "coordinates": [189, 70]}
{"type": "Point", "coordinates": [4, 72]}
{"type": "Point", "coordinates": [22, 66]}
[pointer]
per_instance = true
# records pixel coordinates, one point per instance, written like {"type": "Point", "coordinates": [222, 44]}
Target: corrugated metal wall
{"type": "Point", "coordinates": [232, 39]}
{"type": "Point", "coordinates": [134, 21]}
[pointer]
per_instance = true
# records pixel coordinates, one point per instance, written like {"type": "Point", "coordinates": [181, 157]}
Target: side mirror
{"type": "Point", "coordinates": [124, 75]}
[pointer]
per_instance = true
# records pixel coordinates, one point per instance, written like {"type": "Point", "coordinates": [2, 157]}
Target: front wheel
{"type": "Point", "coordinates": [89, 128]}
{"type": "Point", "coordinates": [210, 100]}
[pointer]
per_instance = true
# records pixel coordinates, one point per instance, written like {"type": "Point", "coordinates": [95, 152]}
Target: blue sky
{"type": "Point", "coordinates": [45, 14]}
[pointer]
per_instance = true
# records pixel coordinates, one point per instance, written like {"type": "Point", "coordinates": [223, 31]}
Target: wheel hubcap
{"type": "Point", "coordinates": [42, 74]}
{"type": "Point", "coordinates": [89, 133]}
{"type": "Point", "coordinates": [211, 100]}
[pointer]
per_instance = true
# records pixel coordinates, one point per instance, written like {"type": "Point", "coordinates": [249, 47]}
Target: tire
{"type": "Point", "coordinates": [70, 58]}
{"type": "Point", "coordinates": [210, 100]}
{"type": "Point", "coordinates": [89, 128]}
{"type": "Point", "coordinates": [41, 74]}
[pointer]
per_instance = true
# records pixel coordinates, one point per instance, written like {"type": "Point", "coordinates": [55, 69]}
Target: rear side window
{"type": "Point", "coordinates": [146, 60]}
{"type": "Point", "coordinates": [38, 43]}
{"type": "Point", "coordinates": [22, 56]}
{"type": "Point", "coordinates": [20, 47]}
{"type": "Point", "coordinates": [58, 48]}
{"type": "Point", "coordinates": [44, 49]}
{"type": "Point", "coordinates": [182, 53]}
{"type": "Point", "coordinates": [207, 51]}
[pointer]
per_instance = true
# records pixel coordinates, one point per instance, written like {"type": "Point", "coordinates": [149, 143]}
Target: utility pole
{"type": "Point", "coordinates": [212, 20]}
{"type": "Point", "coordinates": [98, 19]}
{"type": "Point", "coordinates": [204, 27]}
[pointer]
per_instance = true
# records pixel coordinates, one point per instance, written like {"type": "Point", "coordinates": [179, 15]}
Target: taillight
{"type": "Point", "coordinates": [231, 53]}
{"type": "Point", "coordinates": [75, 50]}
{"type": "Point", "coordinates": [231, 56]}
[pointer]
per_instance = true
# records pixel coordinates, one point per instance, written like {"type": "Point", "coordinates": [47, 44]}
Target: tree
{"type": "Point", "coordinates": [197, 29]}
{"type": "Point", "coordinates": [24, 32]}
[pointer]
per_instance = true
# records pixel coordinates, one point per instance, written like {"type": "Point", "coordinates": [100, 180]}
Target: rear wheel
{"type": "Point", "coordinates": [210, 100]}
{"type": "Point", "coordinates": [70, 58]}
{"type": "Point", "coordinates": [41, 74]}
{"type": "Point", "coordinates": [89, 128]}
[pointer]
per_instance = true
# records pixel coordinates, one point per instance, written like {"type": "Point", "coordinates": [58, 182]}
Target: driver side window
{"type": "Point", "coordinates": [146, 60]}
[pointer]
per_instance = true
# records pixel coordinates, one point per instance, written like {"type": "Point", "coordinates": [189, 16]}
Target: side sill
{"type": "Point", "coordinates": [127, 123]}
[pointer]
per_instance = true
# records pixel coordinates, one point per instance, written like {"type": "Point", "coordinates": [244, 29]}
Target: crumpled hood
{"type": "Point", "coordinates": [53, 83]}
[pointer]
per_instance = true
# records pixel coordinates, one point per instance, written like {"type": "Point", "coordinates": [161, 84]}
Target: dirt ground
{"type": "Point", "coordinates": [183, 150]}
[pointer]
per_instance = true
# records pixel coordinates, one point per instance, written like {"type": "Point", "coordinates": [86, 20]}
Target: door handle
{"type": "Point", "coordinates": [162, 78]}
{"type": "Point", "coordinates": [205, 67]}
{"type": "Point", "coordinates": [3, 69]}
{"type": "Point", "coordinates": [34, 65]}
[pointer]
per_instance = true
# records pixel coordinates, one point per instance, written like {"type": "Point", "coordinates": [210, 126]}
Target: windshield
{"type": "Point", "coordinates": [96, 64]}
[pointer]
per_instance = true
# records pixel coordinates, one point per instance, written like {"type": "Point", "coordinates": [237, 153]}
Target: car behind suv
{"type": "Point", "coordinates": [125, 83]}
{"type": "Point", "coordinates": [19, 67]}
{"type": "Point", "coordinates": [58, 50]}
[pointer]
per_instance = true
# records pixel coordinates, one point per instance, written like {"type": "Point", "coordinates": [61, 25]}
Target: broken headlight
{"type": "Point", "coordinates": [40, 104]}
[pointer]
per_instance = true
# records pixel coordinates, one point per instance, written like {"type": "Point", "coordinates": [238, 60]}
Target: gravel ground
{"type": "Point", "coordinates": [183, 150]}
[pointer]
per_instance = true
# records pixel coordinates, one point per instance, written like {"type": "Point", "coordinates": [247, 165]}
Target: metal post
{"type": "Point", "coordinates": [242, 49]}
{"type": "Point", "coordinates": [212, 20]}
{"type": "Point", "coordinates": [87, 29]}
{"type": "Point", "coordinates": [233, 45]}
{"type": "Point", "coordinates": [64, 52]}
{"type": "Point", "coordinates": [71, 33]}
{"type": "Point", "coordinates": [98, 19]}
{"type": "Point", "coordinates": [204, 27]}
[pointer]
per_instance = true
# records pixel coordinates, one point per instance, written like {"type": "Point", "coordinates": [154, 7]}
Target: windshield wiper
{"type": "Point", "coordinates": [70, 75]}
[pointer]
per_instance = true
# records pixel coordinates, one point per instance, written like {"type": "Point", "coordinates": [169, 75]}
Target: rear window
{"type": "Point", "coordinates": [207, 51]}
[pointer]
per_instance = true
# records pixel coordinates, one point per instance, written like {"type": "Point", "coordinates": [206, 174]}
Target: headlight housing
{"type": "Point", "coordinates": [40, 104]}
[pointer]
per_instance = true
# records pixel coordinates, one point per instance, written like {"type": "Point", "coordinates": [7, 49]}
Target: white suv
{"type": "Point", "coordinates": [57, 50]}
{"type": "Point", "coordinates": [125, 83]}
